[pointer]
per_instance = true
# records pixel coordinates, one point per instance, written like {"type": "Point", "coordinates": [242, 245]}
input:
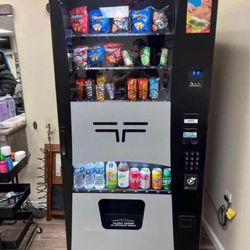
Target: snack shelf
{"type": "Point", "coordinates": [124, 68]}
{"type": "Point", "coordinates": [123, 191]}
{"type": "Point", "coordinates": [168, 34]}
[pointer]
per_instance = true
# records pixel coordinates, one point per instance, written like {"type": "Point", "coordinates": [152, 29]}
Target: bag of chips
{"type": "Point", "coordinates": [79, 19]}
{"type": "Point", "coordinates": [80, 89]}
{"type": "Point", "coordinates": [120, 24]}
{"type": "Point", "coordinates": [98, 22]}
{"type": "Point", "coordinates": [89, 89]}
{"type": "Point", "coordinates": [100, 88]}
{"type": "Point", "coordinates": [164, 57]}
{"type": "Point", "coordinates": [113, 53]}
{"type": "Point", "coordinates": [141, 20]}
{"type": "Point", "coordinates": [80, 56]}
{"type": "Point", "coordinates": [96, 55]}
{"type": "Point", "coordinates": [127, 58]}
{"type": "Point", "coordinates": [154, 83]}
{"type": "Point", "coordinates": [160, 21]}
{"type": "Point", "coordinates": [145, 56]}
{"type": "Point", "coordinates": [110, 87]}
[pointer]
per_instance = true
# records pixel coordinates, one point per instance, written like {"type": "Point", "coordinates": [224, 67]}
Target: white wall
{"type": "Point", "coordinates": [228, 152]}
{"type": "Point", "coordinates": [33, 34]}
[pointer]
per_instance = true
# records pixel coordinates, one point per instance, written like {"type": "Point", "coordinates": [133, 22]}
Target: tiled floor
{"type": "Point", "coordinates": [53, 237]}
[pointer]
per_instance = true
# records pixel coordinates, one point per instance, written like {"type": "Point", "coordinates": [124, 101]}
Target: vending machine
{"type": "Point", "coordinates": [133, 81]}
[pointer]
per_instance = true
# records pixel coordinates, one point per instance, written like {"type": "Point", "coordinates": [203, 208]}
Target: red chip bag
{"type": "Point", "coordinates": [79, 19]}
{"type": "Point", "coordinates": [113, 53]}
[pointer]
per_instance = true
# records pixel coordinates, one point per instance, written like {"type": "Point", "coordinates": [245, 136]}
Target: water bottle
{"type": "Point", "coordinates": [4, 114]}
{"type": "Point", "coordinates": [99, 175]}
{"type": "Point", "coordinates": [79, 176]}
{"type": "Point", "coordinates": [89, 176]}
{"type": "Point", "coordinates": [11, 105]}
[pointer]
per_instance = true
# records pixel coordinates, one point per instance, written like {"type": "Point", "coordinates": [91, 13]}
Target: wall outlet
{"type": "Point", "coordinates": [229, 195]}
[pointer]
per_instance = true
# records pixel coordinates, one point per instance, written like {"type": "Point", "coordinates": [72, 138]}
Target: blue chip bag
{"type": "Point", "coordinates": [141, 20]}
{"type": "Point", "coordinates": [98, 22]}
{"type": "Point", "coordinates": [96, 55]}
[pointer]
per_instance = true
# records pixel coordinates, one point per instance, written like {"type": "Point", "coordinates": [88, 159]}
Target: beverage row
{"type": "Point", "coordinates": [113, 54]}
{"type": "Point", "coordinates": [100, 89]}
{"type": "Point", "coordinates": [135, 21]}
{"type": "Point", "coordinates": [98, 175]}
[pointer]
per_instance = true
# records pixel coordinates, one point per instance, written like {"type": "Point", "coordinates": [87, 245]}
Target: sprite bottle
{"type": "Point", "coordinates": [166, 179]}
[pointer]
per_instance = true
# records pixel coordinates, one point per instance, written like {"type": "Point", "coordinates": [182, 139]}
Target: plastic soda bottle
{"type": "Point", "coordinates": [99, 175]}
{"type": "Point", "coordinates": [111, 175]}
{"type": "Point", "coordinates": [79, 176]}
{"type": "Point", "coordinates": [166, 179]}
{"type": "Point", "coordinates": [123, 175]}
{"type": "Point", "coordinates": [89, 174]}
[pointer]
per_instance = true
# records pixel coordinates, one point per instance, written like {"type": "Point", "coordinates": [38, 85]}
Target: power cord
{"type": "Point", "coordinates": [224, 213]}
{"type": "Point", "coordinates": [39, 210]}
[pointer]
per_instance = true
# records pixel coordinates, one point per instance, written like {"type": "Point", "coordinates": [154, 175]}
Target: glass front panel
{"type": "Point", "coordinates": [120, 50]}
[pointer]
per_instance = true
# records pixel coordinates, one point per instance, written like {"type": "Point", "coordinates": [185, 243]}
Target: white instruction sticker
{"type": "Point", "coordinates": [58, 165]}
{"type": "Point", "coordinates": [118, 11]}
{"type": "Point", "coordinates": [190, 121]}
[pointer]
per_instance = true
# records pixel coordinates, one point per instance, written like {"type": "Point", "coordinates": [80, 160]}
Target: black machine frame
{"type": "Point", "coordinates": [192, 52]}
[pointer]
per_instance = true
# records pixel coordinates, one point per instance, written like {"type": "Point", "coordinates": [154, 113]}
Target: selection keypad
{"type": "Point", "coordinates": [192, 160]}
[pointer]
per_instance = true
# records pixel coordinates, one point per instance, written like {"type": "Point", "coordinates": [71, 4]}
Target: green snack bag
{"type": "Point", "coordinates": [145, 56]}
{"type": "Point", "coordinates": [164, 57]}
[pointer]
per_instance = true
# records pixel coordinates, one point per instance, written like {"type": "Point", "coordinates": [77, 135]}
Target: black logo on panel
{"type": "Point", "coordinates": [129, 127]}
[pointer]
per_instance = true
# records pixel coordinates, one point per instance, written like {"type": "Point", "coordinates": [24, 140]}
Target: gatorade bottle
{"type": "Point", "coordinates": [99, 175]}
{"type": "Point", "coordinates": [111, 175]}
{"type": "Point", "coordinates": [89, 175]}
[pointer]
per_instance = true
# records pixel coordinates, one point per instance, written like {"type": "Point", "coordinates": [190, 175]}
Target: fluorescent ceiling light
{"type": "Point", "coordinates": [5, 31]}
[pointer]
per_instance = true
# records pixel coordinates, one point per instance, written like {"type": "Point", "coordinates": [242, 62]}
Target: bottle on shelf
{"type": "Point", "coordinates": [89, 175]}
{"type": "Point", "coordinates": [79, 176]}
{"type": "Point", "coordinates": [99, 175]}
{"type": "Point", "coordinates": [111, 175]}
{"type": "Point", "coordinates": [3, 165]}
{"type": "Point", "coordinates": [6, 151]}
{"type": "Point", "coordinates": [11, 105]}
{"type": "Point", "coordinates": [123, 175]}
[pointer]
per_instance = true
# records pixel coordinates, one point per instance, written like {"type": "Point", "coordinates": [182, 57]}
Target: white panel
{"type": "Point", "coordinates": [150, 147]}
{"type": "Point", "coordinates": [156, 232]}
